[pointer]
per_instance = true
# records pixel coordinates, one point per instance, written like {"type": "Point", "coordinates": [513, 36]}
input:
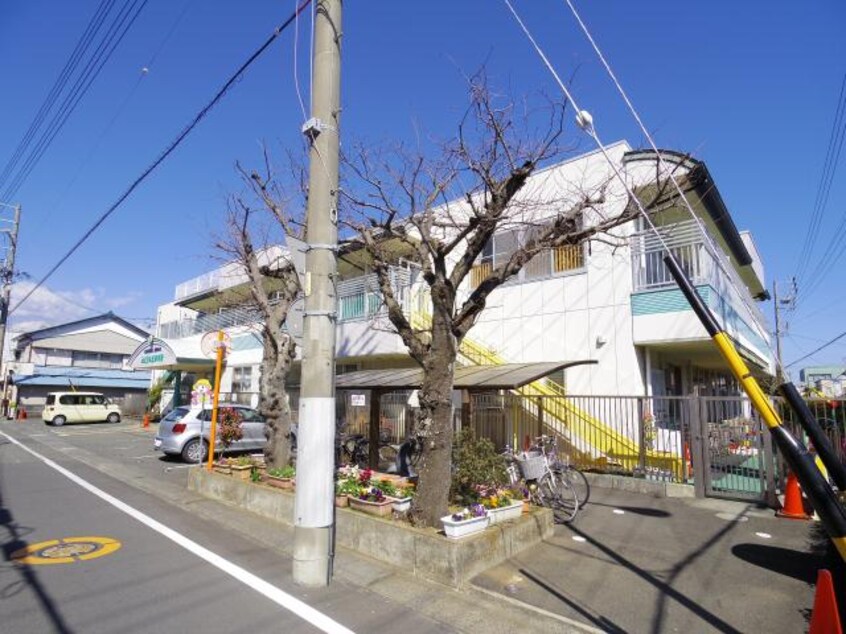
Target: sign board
{"type": "Point", "coordinates": [201, 392]}
{"type": "Point", "coordinates": [357, 400]}
{"type": "Point", "coordinates": [152, 353]}
{"type": "Point", "coordinates": [209, 343]}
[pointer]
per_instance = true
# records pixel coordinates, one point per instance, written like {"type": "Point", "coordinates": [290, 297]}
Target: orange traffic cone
{"type": "Point", "coordinates": [793, 508]}
{"type": "Point", "coordinates": [146, 421]}
{"type": "Point", "coordinates": [825, 619]}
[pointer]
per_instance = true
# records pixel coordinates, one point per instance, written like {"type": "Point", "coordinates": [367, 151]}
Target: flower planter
{"type": "Point", "coordinates": [242, 472]}
{"type": "Point", "coordinates": [401, 505]}
{"type": "Point", "coordinates": [342, 501]}
{"type": "Point", "coordinates": [382, 509]}
{"type": "Point", "coordinates": [222, 468]}
{"type": "Point", "coordinates": [279, 483]}
{"type": "Point", "coordinates": [456, 529]}
{"type": "Point", "coordinates": [506, 513]}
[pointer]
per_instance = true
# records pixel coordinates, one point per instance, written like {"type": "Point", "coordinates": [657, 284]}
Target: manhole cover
{"type": "Point", "coordinates": [65, 551]}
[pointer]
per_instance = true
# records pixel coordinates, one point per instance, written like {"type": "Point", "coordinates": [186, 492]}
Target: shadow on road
{"type": "Point", "coordinates": [634, 510]}
{"type": "Point", "coordinates": [784, 561]}
{"type": "Point", "coordinates": [13, 541]}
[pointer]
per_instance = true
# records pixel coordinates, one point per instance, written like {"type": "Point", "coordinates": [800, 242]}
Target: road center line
{"type": "Point", "coordinates": [278, 596]}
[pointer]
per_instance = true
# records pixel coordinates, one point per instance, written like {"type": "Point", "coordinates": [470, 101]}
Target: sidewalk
{"type": "Point", "coordinates": [636, 563]}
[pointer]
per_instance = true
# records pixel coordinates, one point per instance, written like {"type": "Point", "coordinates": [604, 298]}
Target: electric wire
{"type": "Point", "coordinates": [117, 31]}
{"type": "Point", "coordinates": [170, 148]}
{"type": "Point", "coordinates": [82, 45]}
{"type": "Point", "coordinates": [820, 349]}
{"type": "Point", "coordinates": [709, 244]}
{"type": "Point", "coordinates": [824, 186]}
{"type": "Point", "coordinates": [58, 203]}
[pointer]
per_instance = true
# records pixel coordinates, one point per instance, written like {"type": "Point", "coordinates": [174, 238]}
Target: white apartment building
{"type": "Point", "coordinates": [610, 300]}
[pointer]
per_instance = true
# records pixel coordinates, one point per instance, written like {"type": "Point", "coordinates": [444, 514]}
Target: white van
{"type": "Point", "coordinates": [79, 407]}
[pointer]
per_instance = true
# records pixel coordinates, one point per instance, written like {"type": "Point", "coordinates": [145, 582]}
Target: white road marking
{"type": "Point", "coordinates": [578, 538]}
{"type": "Point", "coordinates": [764, 535]}
{"type": "Point", "coordinates": [619, 512]}
{"type": "Point", "coordinates": [277, 595]}
{"type": "Point", "coordinates": [152, 455]}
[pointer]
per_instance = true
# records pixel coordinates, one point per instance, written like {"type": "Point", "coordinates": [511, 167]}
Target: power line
{"type": "Point", "coordinates": [70, 66]}
{"type": "Point", "coordinates": [826, 179]}
{"type": "Point", "coordinates": [821, 348]}
{"type": "Point", "coordinates": [115, 34]}
{"type": "Point", "coordinates": [174, 144]}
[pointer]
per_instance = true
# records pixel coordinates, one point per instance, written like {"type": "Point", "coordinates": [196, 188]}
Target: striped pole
{"type": "Point", "coordinates": [798, 457]}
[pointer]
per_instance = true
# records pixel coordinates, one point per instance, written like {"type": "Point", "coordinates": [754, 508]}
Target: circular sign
{"type": "Point", "coordinates": [65, 551]}
{"type": "Point", "coordinates": [209, 343]}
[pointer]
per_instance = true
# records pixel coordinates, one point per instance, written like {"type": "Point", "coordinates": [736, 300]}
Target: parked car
{"type": "Point", "coordinates": [179, 432]}
{"type": "Point", "coordinates": [79, 407]}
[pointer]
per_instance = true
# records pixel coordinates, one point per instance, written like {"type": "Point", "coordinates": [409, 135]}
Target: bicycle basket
{"type": "Point", "coordinates": [532, 466]}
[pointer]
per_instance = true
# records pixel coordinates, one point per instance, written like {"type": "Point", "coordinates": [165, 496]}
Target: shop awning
{"type": "Point", "coordinates": [508, 376]}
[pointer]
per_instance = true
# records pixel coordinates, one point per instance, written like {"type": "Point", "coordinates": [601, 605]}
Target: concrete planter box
{"type": "Point", "coordinates": [402, 505]}
{"type": "Point", "coordinates": [279, 483]}
{"type": "Point", "coordinates": [424, 552]}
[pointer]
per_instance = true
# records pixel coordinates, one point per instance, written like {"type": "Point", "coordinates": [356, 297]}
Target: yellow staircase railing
{"type": "Point", "coordinates": [596, 443]}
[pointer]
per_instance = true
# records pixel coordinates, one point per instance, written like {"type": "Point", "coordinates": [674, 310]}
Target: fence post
{"type": "Point", "coordinates": [697, 449]}
{"type": "Point", "coordinates": [770, 497]}
{"type": "Point", "coordinates": [641, 445]}
{"type": "Point", "coordinates": [540, 416]}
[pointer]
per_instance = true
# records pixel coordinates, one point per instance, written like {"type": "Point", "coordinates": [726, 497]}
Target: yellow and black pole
{"type": "Point", "coordinates": [798, 457]}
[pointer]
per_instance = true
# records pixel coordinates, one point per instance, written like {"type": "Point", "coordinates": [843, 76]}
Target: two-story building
{"type": "Point", "coordinates": [610, 299]}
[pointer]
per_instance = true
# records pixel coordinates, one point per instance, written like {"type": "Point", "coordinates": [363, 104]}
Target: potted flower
{"type": "Point", "coordinates": [241, 467]}
{"type": "Point", "coordinates": [344, 489]}
{"type": "Point", "coordinates": [372, 500]}
{"type": "Point", "coordinates": [281, 477]}
{"type": "Point", "coordinates": [404, 495]}
{"type": "Point", "coordinates": [501, 506]}
{"type": "Point", "coordinates": [465, 522]}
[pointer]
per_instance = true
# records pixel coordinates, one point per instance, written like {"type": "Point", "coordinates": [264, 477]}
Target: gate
{"type": "Point", "coordinates": [736, 450]}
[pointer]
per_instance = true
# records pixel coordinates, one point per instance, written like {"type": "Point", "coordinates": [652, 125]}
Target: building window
{"type": "Point", "coordinates": [242, 379]}
{"type": "Point", "coordinates": [97, 360]}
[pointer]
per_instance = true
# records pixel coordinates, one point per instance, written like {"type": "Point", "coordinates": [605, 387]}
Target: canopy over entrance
{"type": "Point", "coordinates": [159, 354]}
{"type": "Point", "coordinates": [508, 376]}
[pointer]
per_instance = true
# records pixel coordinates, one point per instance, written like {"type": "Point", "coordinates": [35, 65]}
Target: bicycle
{"type": "Point", "coordinates": [563, 469]}
{"type": "Point", "coordinates": [543, 486]}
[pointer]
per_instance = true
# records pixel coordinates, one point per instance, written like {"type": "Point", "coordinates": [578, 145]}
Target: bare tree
{"type": "Point", "coordinates": [446, 211]}
{"type": "Point", "coordinates": [273, 287]}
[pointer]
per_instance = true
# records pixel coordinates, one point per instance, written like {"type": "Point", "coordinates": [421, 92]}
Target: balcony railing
{"type": "Point", "coordinates": [697, 259]}
{"type": "Point", "coordinates": [358, 298]}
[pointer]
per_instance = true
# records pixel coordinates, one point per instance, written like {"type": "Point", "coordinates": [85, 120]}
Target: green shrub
{"type": "Point", "coordinates": [477, 466]}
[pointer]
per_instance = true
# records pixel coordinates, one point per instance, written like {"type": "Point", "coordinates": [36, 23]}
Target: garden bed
{"type": "Point", "coordinates": [424, 552]}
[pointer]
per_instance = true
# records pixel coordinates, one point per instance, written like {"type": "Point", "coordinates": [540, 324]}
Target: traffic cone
{"type": "Point", "coordinates": [825, 619]}
{"type": "Point", "coordinates": [146, 422]}
{"type": "Point", "coordinates": [793, 508]}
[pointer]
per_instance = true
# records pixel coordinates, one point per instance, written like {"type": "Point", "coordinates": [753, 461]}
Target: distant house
{"type": "Point", "coordinates": [829, 380]}
{"type": "Point", "coordinates": [86, 355]}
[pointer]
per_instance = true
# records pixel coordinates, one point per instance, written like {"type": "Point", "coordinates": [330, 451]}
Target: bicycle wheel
{"type": "Point", "coordinates": [558, 495]}
{"type": "Point", "coordinates": [577, 480]}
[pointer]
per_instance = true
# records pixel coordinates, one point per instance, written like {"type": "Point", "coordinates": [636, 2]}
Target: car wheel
{"type": "Point", "coordinates": [192, 450]}
{"type": "Point", "coordinates": [114, 417]}
{"type": "Point", "coordinates": [59, 421]}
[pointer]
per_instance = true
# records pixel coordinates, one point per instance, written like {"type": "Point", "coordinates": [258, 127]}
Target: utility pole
{"type": "Point", "coordinates": [777, 308]}
{"type": "Point", "coordinates": [314, 509]}
{"type": "Point", "coordinates": [6, 277]}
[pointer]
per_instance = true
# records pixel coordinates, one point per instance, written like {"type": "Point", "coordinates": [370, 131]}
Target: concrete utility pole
{"type": "Point", "coordinates": [314, 510]}
{"type": "Point", "coordinates": [777, 308]}
{"type": "Point", "coordinates": [6, 276]}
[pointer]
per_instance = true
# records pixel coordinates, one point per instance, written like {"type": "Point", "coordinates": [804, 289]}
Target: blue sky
{"type": "Point", "coordinates": [749, 87]}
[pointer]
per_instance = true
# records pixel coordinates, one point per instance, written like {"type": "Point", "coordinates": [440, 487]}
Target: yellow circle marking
{"type": "Point", "coordinates": [65, 551]}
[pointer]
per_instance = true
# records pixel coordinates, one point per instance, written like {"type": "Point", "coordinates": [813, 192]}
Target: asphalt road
{"type": "Point", "coordinates": [150, 583]}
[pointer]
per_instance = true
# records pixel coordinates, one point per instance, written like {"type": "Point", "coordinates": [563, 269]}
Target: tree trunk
{"type": "Point", "coordinates": [434, 428]}
{"type": "Point", "coordinates": [275, 407]}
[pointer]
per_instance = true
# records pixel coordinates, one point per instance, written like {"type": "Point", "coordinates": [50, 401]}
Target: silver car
{"type": "Point", "coordinates": [179, 432]}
